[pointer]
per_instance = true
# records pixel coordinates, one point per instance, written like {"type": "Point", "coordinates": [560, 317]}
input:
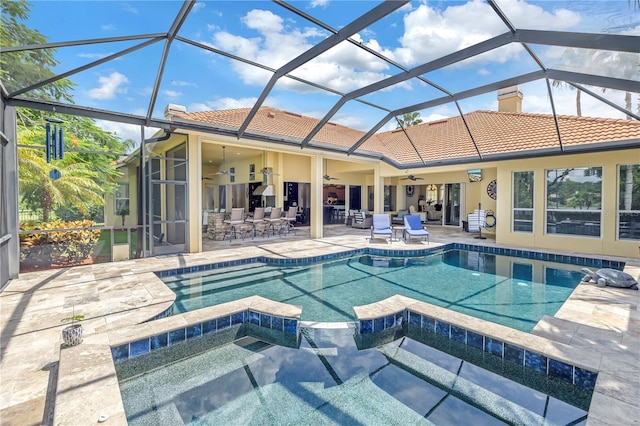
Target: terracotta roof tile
{"type": "Point", "coordinates": [493, 133]}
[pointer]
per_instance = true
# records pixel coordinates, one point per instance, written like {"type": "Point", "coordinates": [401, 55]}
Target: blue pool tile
{"type": "Point", "coordinates": [443, 328]}
{"type": "Point", "coordinates": [475, 340]}
{"type": "Point", "coordinates": [120, 353]}
{"type": "Point", "coordinates": [159, 341]}
{"type": "Point", "coordinates": [237, 318]}
{"type": "Point", "coordinates": [415, 319]}
{"type": "Point", "coordinates": [209, 327]}
{"type": "Point", "coordinates": [378, 324]}
{"type": "Point", "coordinates": [584, 378]}
{"type": "Point", "coordinates": [366, 326]}
{"type": "Point", "coordinates": [514, 353]}
{"type": "Point", "coordinates": [194, 331]}
{"type": "Point", "coordinates": [493, 346]}
{"type": "Point", "coordinates": [176, 336]}
{"type": "Point", "coordinates": [458, 334]}
{"type": "Point", "coordinates": [277, 323]}
{"type": "Point", "coordinates": [224, 322]}
{"type": "Point", "coordinates": [399, 318]}
{"type": "Point", "coordinates": [389, 321]}
{"type": "Point", "coordinates": [139, 347]}
{"type": "Point", "coordinates": [428, 324]}
{"type": "Point", "coordinates": [265, 320]}
{"type": "Point", "coordinates": [290, 326]}
{"type": "Point", "coordinates": [254, 317]}
{"type": "Point", "coordinates": [535, 362]}
{"type": "Point", "coordinates": [561, 370]}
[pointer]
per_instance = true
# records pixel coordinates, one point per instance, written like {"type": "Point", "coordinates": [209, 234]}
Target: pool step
{"type": "Point", "coordinates": [463, 389]}
{"type": "Point", "coordinates": [174, 280]}
{"type": "Point", "coordinates": [210, 285]}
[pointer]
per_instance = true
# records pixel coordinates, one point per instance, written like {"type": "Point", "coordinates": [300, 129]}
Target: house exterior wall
{"type": "Point", "coordinates": [352, 171]}
{"type": "Point", "coordinates": [606, 244]}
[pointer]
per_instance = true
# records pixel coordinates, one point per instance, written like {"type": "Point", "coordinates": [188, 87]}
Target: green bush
{"type": "Point", "coordinates": [61, 245]}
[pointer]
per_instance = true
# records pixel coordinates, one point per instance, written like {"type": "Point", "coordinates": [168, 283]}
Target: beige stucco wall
{"type": "Point", "coordinates": [607, 244]}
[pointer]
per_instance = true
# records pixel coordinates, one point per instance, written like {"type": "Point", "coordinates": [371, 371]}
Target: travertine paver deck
{"type": "Point", "coordinates": [602, 322]}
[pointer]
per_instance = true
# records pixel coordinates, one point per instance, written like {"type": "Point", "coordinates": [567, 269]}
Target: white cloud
{"type": "Point", "coordinates": [198, 6]}
{"type": "Point", "coordinates": [172, 93]}
{"type": "Point", "coordinates": [129, 8]}
{"type": "Point", "coordinates": [198, 107]}
{"type": "Point", "coordinates": [231, 103]}
{"type": "Point", "coordinates": [484, 71]}
{"type": "Point", "coordinates": [431, 33]}
{"type": "Point", "coordinates": [94, 56]}
{"type": "Point", "coordinates": [222, 104]}
{"type": "Point", "coordinates": [319, 3]}
{"type": "Point", "coordinates": [109, 86]}
{"type": "Point", "coordinates": [108, 27]}
{"type": "Point", "coordinates": [183, 83]}
{"type": "Point", "coordinates": [344, 67]}
{"type": "Point", "coordinates": [264, 21]}
{"type": "Point", "coordinates": [126, 131]}
{"type": "Point", "coordinates": [352, 121]}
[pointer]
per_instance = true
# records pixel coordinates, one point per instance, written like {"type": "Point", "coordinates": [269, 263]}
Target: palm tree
{"type": "Point", "coordinates": [408, 119]}
{"type": "Point", "coordinates": [76, 185]}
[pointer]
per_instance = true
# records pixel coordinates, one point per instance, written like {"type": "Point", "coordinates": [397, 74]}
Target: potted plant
{"type": "Point", "coordinates": [72, 334]}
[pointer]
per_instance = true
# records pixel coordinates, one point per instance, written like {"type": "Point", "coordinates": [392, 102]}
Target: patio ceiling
{"type": "Point", "coordinates": [586, 58]}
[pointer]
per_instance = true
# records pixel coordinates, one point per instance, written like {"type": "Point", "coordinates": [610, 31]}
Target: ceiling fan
{"type": "Point", "coordinates": [327, 177]}
{"type": "Point", "coordinates": [268, 172]}
{"type": "Point", "coordinates": [224, 170]}
{"type": "Point", "coordinates": [412, 178]}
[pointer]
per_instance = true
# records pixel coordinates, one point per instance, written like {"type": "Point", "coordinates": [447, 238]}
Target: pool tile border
{"type": "Point", "coordinates": [525, 254]}
{"type": "Point", "coordinates": [213, 324]}
{"type": "Point", "coordinates": [533, 360]}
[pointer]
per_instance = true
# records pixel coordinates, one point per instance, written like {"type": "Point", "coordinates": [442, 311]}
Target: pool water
{"type": "Point", "coordinates": [327, 380]}
{"type": "Point", "coordinates": [511, 291]}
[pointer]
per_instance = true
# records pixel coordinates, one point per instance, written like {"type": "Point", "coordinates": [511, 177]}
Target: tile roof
{"type": "Point", "coordinates": [493, 133]}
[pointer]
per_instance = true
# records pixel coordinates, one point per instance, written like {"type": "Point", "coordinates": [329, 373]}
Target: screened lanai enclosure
{"type": "Point", "coordinates": [84, 105]}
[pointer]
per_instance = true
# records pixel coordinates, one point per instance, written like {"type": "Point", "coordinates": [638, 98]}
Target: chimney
{"type": "Point", "coordinates": [510, 99]}
{"type": "Point", "coordinates": [171, 109]}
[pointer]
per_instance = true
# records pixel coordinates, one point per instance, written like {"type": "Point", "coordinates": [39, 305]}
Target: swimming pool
{"type": "Point", "coordinates": [508, 290]}
{"type": "Point", "coordinates": [328, 380]}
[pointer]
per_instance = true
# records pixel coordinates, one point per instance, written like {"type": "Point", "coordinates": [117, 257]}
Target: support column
{"type": "Point", "coordinates": [378, 190]}
{"type": "Point", "coordinates": [194, 197]}
{"type": "Point", "coordinates": [9, 237]}
{"type": "Point", "coordinates": [316, 223]}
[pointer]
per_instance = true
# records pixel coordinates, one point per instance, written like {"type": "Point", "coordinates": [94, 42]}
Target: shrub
{"type": "Point", "coordinates": [61, 245]}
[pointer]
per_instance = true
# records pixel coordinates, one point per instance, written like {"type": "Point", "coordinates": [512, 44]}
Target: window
{"type": "Point", "coordinates": [574, 201]}
{"type": "Point", "coordinates": [522, 202]}
{"type": "Point", "coordinates": [629, 202]}
{"type": "Point", "coordinates": [389, 198]}
{"type": "Point", "coordinates": [122, 199]}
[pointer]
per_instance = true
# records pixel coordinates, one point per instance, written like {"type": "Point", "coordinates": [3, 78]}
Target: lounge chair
{"type": "Point", "coordinates": [413, 228]}
{"type": "Point", "coordinates": [381, 227]}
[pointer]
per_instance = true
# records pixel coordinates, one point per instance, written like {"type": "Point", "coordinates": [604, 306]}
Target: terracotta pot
{"type": "Point", "coordinates": [72, 335]}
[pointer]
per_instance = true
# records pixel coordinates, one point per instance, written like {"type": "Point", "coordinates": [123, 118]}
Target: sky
{"type": "Point", "coordinates": [265, 33]}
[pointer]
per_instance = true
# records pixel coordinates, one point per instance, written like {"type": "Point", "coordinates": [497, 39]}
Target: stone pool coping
{"type": "Point", "coordinates": [88, 386]}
